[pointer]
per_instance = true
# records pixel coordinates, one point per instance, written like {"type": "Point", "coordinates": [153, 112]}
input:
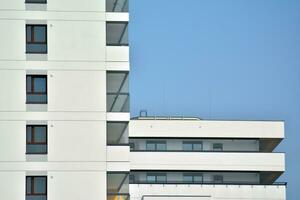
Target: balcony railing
{"type": "Point", "coordinates": [118, 102]}
{"type": "Point", "coordinates": [208, 183]}
{"type": "Point", "coordinates": [113, 196]}
{"type": "Point", "coordinates": [117, 91]}
{"type": "Point", "coordinates": [116, 5]}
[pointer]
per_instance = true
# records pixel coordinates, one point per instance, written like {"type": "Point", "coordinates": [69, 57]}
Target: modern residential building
{"type": "Point", "coordinates": [194, 159]}
{"type": "Point", "coordinates": [65, 129]}
{"type": "Point", "coordinates": [64, 103]}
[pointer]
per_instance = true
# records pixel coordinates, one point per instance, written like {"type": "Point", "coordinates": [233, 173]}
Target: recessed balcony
{"type": "Point", "coordinates": [208, 161]}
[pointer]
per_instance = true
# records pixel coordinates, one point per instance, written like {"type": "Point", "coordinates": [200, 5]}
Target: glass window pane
{"type": "Point", "coordinates": [40, 134]}
{"type": "Point", "coordinates": [36, 197]}
{"type": "Point", "coordinates": [116, 33]}
{"type": "Point", "coordinates": [28, 84]}
{"type": "Point", "coordinates": [187, 178]}
{"type": "Point", "coordinates": [187, 147]}
{"type": "Point", "coordinates": [161, 178]}
{"type": "Point", "coordinates": [161, 146]}
{"type": "Point", "coordinates": [198, 178]}
{"type": "Point", "coordinates": [36, 48]}
{"type": "Point", "coordinates": [40, 84]}
{"type": "Point", "coordinates": [40, 185]}
{"type": "Point", "coordinates": [218, 147]}
{"type": "Point", "coordinates": [124, 36]}
{"type": "Point", "coordinates": [150, 146]}
{"type": "Point", "coordinates": [36, 148]}
{"type": "Point", "coordinates": [151, 178]}
{"type": "Point", "coordinates": [110, 5]}
{"type": "Point", "coordinates": [28, 133]}
{"type": "Point", "coordinates": [218, 179]}
{"type": "Point", "coordinates": [197, 146]}
{"type": "Point", "coordinates": [117, 82]}
{"type": "Point", "coordinates": [39, 33]}
{"type": "Point", "coordinates": [28, 185]}
{"type": "Point", "coordinates": [117, 133]}
{"type": "Point", "coordinates": [28, 33]}
{"type": "Point", "coordinates": [36, 98]}
{"type": "Point", "coordinates": [117, 5]}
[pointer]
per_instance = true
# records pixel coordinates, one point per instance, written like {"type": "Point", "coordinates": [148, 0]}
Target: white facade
{"type": "Point", "coordinates": [77, 62]}
{"type": "Point", "coordinates": [189, 158]}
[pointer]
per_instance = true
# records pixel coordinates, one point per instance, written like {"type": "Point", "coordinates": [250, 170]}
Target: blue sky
{"type": "Point", "coordinates": [217, 59]}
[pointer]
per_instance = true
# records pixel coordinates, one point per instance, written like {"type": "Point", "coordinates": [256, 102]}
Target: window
{"type": "Point", "coordinates": [35, 1]}
{"type": "Point", "coordinates": [156, 177]}
{"type": "Point", "coordinates": [218, 179]}
{"type": "Point", "coordinates": [36, 139]}
{"type": "Point", "coordinates": [192, 146]}
{"type": "Point", "coordinates": [116, 5]}
{"type": "Point", "coordinates": [36, 39]}
{"type": "Point", "coordinates": [217, 147]}
{"type": "Point", "coordinates": [156, 145]}
{"type": "Point", "coordinates": [36, 89]}
{"type": "Point", "coordinates": [117, 33]}
{"type": "Point", "coordinates": [36, 188]}
{"type": "Point", "coordinates": [193, 177]}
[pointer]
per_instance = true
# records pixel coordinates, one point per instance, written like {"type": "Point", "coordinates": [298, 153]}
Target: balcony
{"type": "Point", "coordinates": [208, 161]}
{"type": "Point", "coordinates": [270, 133]}
{"type": "Point", "coordinates": [117, 186]}
{"type": "Point", "coordinates": [206, 191]}
{"type": "Point", "coordinates": [117, 92]}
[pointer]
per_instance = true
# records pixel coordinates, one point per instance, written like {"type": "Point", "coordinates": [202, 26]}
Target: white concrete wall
{"type": "Point", "coordinates": [76, 66]}
{"type": "Point", "coordinates": [12, 141]}
{"type": "Point", "coordinates": [77, 91]}
{"type": "Point", "coordinates": [206, 129]}
{"type": "Point", "coordinates": [213, 192]}
{"type": "Point", "coordinates": [12, 87]}
{"type": "Point", "coordinates": [77, 141]}
{"type": "Point", "coordinates": [207, 161]}
{"type": "Point", "coordinates": [77, 185]}
{"type": "Point", "coordinates": [12, 185]}
{"type": "Point", "coordinates": [86, 44]}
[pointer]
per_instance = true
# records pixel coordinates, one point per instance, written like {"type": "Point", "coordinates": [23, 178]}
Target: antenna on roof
{"type": "Point", "coordinates": [143, 113]}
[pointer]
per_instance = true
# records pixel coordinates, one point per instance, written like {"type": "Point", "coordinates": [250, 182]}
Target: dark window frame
{"type": "Point", "coordinates": [32, 38]}
{"type": "Point", "coordinates": [33, 76]}
{"type": "Point", "coordinates": [32, 192]}
{"type": "Point", "coordinates": [35, 2]}
{"type": "Point", "coordinates": [122, 34]}
{"type": "Point", "coordinates": [32, 142]}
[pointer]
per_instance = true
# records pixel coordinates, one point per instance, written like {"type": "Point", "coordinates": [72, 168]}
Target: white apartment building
{"type": "Point", "coordinates": [64, 102]}
{"type": "Point", "coordinates": [194, 159]}
{"type": "Point", "coordinates": [64, 119]}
